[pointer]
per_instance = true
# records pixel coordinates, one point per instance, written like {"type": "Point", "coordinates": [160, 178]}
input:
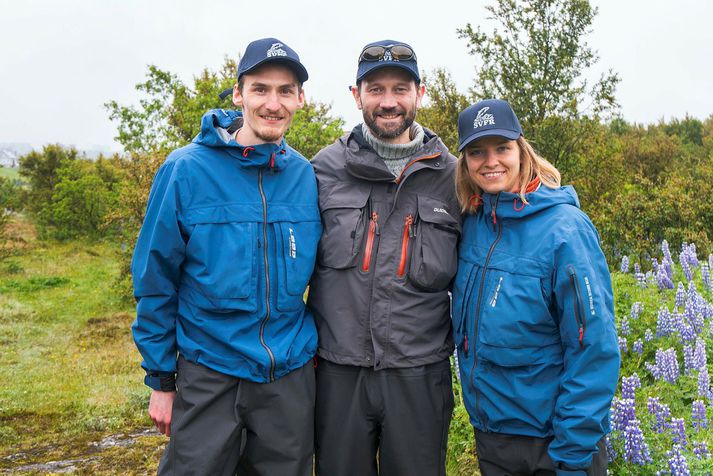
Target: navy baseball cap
{"type": "Point", "coordinates": [271, 50]}
{"type": "Point", "coordinates": [381, 54]}
{"type": "Point", "coordinates": [490, 117]}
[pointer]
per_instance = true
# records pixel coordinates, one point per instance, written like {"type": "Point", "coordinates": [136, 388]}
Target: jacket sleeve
{"type": "Point", "coordinates": [585, 308]}
{"type": "Point", "coordinates": [156, 270]}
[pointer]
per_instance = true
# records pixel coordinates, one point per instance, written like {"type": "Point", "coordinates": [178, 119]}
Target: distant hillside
{"type": "Point", "coordinates": [10, 152]}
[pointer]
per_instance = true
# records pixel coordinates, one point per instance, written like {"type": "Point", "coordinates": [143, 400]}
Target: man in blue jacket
{"type": "Point", "coordinates": [220, 269]}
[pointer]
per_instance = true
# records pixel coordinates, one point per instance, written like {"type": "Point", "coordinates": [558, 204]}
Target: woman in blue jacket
{"type": "Point", "coordinates": [533, 313]}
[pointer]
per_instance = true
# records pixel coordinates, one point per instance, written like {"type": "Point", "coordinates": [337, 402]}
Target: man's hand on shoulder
{"type": "Point", "coordinates": [161, 409]}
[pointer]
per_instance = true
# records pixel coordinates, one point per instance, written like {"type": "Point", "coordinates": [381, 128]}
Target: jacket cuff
{"type": "Point", "coordinates": [161, 382]}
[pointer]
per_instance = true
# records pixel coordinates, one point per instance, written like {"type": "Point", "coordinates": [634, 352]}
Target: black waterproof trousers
{"type": "Point", "coordinates": [404, 414]}
{"type": "Point", "coordinates": [517, 455]}
{"type": "Point", "coordinates": [223, 425]}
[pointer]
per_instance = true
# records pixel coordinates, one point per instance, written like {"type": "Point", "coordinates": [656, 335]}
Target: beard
{"type": "Point", "coordinates": [270, 134]}
{"type": "Point", "coordinates": [407, 118]}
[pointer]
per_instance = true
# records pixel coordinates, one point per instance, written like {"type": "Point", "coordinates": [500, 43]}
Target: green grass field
{"type": "Point", "coordinates": [8, 172]}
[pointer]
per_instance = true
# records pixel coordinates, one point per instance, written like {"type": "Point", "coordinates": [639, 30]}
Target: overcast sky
{"type": "Point", "coordinates": [61, 60]}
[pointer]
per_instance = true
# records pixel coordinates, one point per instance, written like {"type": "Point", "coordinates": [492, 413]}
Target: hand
{"type": "Point", "coordinates": [161, 410]}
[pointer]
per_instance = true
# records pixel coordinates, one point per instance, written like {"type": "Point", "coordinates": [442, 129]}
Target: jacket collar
{"type": "Point", "coordinates": [363, 162]}
{"type": "Point", "coordinates": [218, 128]}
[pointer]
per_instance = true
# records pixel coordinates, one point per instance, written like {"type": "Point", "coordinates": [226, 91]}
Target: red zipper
{"type": "Point", "coordinates": [398, 179]}
{"type": "Point", "coordinates": [408, 233]}
{"type": "Point", "coordinates": [373, 231]}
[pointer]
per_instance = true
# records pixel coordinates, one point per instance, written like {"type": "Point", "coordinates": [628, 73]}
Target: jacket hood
{"type": "Point", "coordinates": [509, 205]}
{"type": "Point", "coordinates": [217, 130]}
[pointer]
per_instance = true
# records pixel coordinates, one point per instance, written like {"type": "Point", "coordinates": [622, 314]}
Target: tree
{"type": "Point", "coordinates": [40, 170]}
{"type": "Point", "coordinates": [170, 114]}
{"type": "Point", "coordinates": [535, 59]}
{"type": "Point", "coordinates": [444, 103]}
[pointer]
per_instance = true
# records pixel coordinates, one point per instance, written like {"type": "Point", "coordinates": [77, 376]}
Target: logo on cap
{"type": "Point", "coordinates": [276, 50]}
{"type": "Point", "coordinates": [483, 118]}
{"type": "Point", "coordinates": [387, 56]}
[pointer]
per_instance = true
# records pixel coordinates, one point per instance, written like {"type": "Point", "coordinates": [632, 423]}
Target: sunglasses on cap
{"type": "Point", "coordinates": [387, 53]}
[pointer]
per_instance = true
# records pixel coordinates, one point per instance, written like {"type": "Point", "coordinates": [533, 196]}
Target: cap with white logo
{"type": "Point", "coordinates": [269, 50]}
{"type": "Point", "coordinates": [490, 117]}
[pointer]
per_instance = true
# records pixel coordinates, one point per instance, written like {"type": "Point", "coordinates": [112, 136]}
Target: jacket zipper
{"type": "Point", "coordinates": [480, 296]}
{"type": "Point", "coordinates": [398, 179]}
{"type": "Point", "coordinates": [408, 233]}
{"type": "Point", "coordinates": [578, 313]}
{"type": "Point", "coordinates": [373, 231]}
{"type": "Point", "coordinates": [267, 279]}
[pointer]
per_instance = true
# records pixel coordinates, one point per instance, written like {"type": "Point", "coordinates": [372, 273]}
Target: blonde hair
{"type": "Point", "coordinates": [531, 166]}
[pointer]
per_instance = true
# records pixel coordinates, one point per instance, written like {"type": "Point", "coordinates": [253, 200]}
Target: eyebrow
{"type": "Point", "coordinates": [279, 86]}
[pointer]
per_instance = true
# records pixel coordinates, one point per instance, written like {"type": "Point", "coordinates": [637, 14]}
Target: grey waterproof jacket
{"type": "Point", "coordinates": [388, 253]}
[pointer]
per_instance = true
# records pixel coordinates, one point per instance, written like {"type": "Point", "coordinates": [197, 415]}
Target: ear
{"type": "Point", "coordinates": [420, 92]}
{"type": "Point", "coordinates": [237, 97]}
{"type": "Point", "coordinates": [357, 97]}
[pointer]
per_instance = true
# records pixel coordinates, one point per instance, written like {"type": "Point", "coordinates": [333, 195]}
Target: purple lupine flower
{"type": "Point", "coordinates": [637, 268]}
{"type": "Point", "coordinates": [678, 430]}
{"type": "Point", "coordinates": [663, 323]}
{"type": "Point", "coordinates": [700, 359]}
{"type": "Point", "coordinates": [622, 412]}
{"type": "Point", "coordinates": [629, 386]}
{"type": "Point", "coordinates": [638, 347]}
{"type": "Point", "coordinates": [663, 278]}
{"type": "Point", "coordinates": [700, 449]}
{"type": "Point", "coordinates": [623, 346]}
{"type": "Point", "coordinates": [662, 413]}
{"type": "Point", "coordinates": [648, 335]}
{"type": "Point", "coordinates": [611, 452]}
{"type": "Point", "coordinates": [665, 250]}
{"type": "Point", "coordinates": [636, 309]}
{"type": "Point", "coordinates": [686, 331]}
{"type": "Point", "coordinates": [704, 383]}
{"type": "Point", "coordinates": [654, 265]}
{"type": "Point", "coordinates": [693, 316]}
{"type": "Point", "coordinates": [706, 275]}
{"type": "Point", "coordinates": [624, 327]}
{"type": "Point", "coordinates": [677, 462]}
{"type": "Point", "coordinates": [710, 261]}
{"type": "Point", "coordinates": [680, 298]}
{"type": "Point", "coordinates": [625, 264]}
{"type": "Point", "coordinates": [687, 359]}
{"type": "Point", "coordinates": [455, 361]}
{"type": "Point", "coordinates": [699, 418]}
{"type": "Point", "coordinates": [667, 362]}
{"type": "Point", "coordinates": [685, 262]}
{"type": "Point", "coordinates": [635, 448]}
{"type": "Point", "coordinates": [640, 279]}
{"type": "Point", "coordinates": [692, 255]}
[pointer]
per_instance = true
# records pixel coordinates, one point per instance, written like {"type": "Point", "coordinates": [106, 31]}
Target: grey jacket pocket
{"type": "Point", "coordinates": [434, 259]}
{"type": "Point", "coordinates": [343, 214]}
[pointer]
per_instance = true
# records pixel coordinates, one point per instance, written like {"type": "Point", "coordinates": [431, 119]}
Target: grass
{"type": "Point", "coordinates": [9, 172]}
{"type": "Point", "coordinates": [70, 372]}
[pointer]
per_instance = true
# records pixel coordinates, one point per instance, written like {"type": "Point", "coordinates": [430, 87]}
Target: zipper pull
{"type": "Point", "coordinates": [409, 224]}
{"type": "Point", "coordinates": [465, 345]}
{"type": "Point", "coordinates": [375, 221]}
{"type": "Point", "coordinates": [581, 336]}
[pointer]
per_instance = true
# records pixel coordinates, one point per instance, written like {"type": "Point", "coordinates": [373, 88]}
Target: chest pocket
{"type": "Point", "coordinates": [221, 258]}
{"type": "Point", "coordinates": [434, 259]}
{"type": "Point", "coordinates": [343, 218]}
{"type": "Point", "coordinates": [296, 247]}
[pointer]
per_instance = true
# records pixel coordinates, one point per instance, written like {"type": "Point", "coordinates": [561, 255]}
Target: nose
{"type": "Point", "coordinates": [489, 159]}
{"type": "Point", "coordinates": [272, 103]}
{"type": "Point", "coordinates": [388, 101]}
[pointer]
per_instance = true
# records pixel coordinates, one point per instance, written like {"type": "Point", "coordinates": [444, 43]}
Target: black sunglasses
{"type": "Point", "coordinates": [387, 53]}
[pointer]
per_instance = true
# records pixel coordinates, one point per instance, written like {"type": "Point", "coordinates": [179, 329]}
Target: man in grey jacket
{"type": "Point", "coordinates": [380, 288]}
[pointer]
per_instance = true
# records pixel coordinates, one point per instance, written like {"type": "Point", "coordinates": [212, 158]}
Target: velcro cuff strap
{"type": "Point", "coordinates": [162, 383]}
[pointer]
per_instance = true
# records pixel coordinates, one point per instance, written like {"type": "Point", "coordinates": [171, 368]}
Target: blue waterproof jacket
{"type": "Point", "coordinates": [533, 320]}
{"type": "Point", "coordinates": [224, 256]}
